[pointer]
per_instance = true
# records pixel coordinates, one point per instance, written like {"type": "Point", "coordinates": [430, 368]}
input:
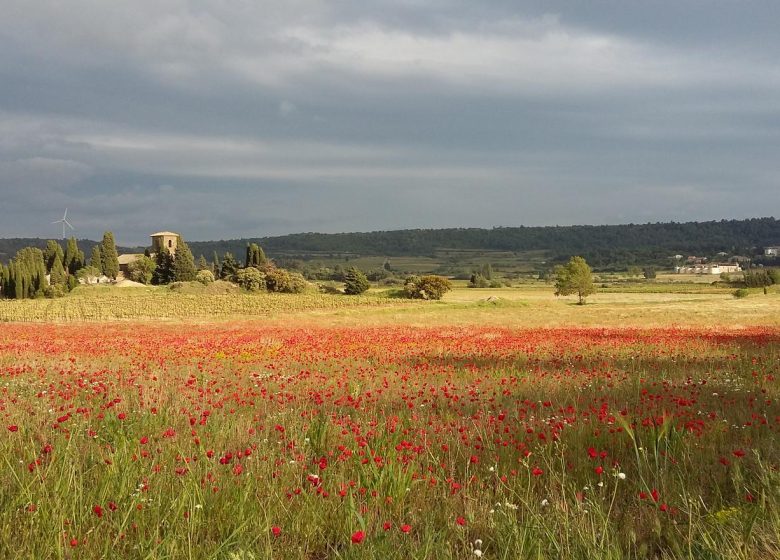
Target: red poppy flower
{"type": "Point", "coordinates": [358, 536]}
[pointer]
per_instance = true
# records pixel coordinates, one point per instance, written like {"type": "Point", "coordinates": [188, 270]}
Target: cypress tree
{"type": "Point", "coordinates": [229, 267]}
{"type": "Point", "coordinates": [96, 259]}
{"type": "Point", "coordinates": [53, 250]}
{"type": "Point", "coordinates": [163, 274]}
{"type": "Point", "coordinates": [215, 266]}
{"type": "Point", "coordinates": [74, 259]}
{"type": "Point", "coordinates": [108, 255]}
{"type": "Point", "coordinates": [202, 264]}
{"type": "Point", "coordinates": [57, 277]}
{"type": "Point", "coordinates": [255, 256]}
{"type": "Point", "coordinates": [184, 264]}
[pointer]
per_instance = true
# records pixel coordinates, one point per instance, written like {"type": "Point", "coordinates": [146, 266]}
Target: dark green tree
{"type": "Point", "coordinates": [163, 272]}
{"type": "Point", "coordinates": [74, 258]}
{"type": "Point", "coordinates": [202, 264]}
{"type": "Point", "coordinates": [355, 282]}
{"type": "Point", "coordinates": [229, 268]}
{"type": "Point", "coordinates": [183, 263]}
{"type": "Point", "coordinates": [215, 266]}
{"type": "Point", "coordinates": [52, 250]}
{"type": "Point", "coordinates": [574, 278]}
{"type": "Point", "coordinates": [96, 259]}
{"type": "Point", "coordinates": [26, 275]}
{"type": "Point", "coordinates": [57, 275]}
{"type": "Point", "coordinates": [108, 256]}
{"type": "Point", "coordinates": [255, 256]}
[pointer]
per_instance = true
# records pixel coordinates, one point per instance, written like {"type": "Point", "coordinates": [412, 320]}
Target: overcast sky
{"type": "Point", "coordinates": [236, 118]}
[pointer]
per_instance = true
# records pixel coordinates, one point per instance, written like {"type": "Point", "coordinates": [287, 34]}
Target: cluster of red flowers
{"type": "Point", "coordinates": [322, 411]}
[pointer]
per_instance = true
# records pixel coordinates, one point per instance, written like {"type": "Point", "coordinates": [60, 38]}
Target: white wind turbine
{"type": "Point", "coordinates": [64, 221]}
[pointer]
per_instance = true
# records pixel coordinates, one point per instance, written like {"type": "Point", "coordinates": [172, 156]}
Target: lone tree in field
{"type": "Point", "coordinates": [574, 278]}
{"type": "Point", "coordinates": [355, 282]}
{"type": "Point", "coordinates": [426, 287]}
{"type": "Point", "coordinates": [108, 256]}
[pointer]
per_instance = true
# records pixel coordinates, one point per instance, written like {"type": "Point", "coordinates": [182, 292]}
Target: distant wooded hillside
{"type": "Point", "coordinates": [600, 245]}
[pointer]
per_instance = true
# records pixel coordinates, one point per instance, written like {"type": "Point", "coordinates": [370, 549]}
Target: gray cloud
{"type": "Point", "coordinates": [259, 118]}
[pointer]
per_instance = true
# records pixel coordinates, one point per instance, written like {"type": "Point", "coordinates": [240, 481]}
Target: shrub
{"type": "Point", "coordinates": [54, 291]}
{"type": "Point", "coordinates": [426, 287]}
{"type": "Point", "coordinates": [355, 282]}
{"type": "Point", "coordinates": [204, 276]}
{"type": "Point", "coordinates": [142, 270]}
{"type": "Point", "coordinates": [741, 293]}
{"type": "Point", "coordinates": [478, 281]}
{"type": "Point", "coordinates": [251, 279]}
{"type": "Point", "coordinates": [284, 281]}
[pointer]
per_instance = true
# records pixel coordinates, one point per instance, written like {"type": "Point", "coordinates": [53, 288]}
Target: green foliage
{"type": "Point", "coordinates": [163, 272]}
{"type": "Point", "coordinates": [183, 263]}
{"type": "Point", "coordinates": [25, 276]}
{"type": "Point", "coordinates": [355, 282]}
{"type": "Point", "coordinates": [478, 281]}
{"type": "Point", "coordinates": [649, 273]}
{"type": "Point", "coordinates": [741, 293]}
{"type": "Point", "coordinates": [255, 256]}
{"type": "Point", "coordinates": [624, 245]}
{"type": "Point", "coordinates": [96, 259]}
{"type": "Point", "coordinates": [757, 278]}
{"type": "Point", "coordinates": [57, 273]}
{"type": "Point", "coordinates": [204, 277]}
{"type": "Point", "coordinates": [88, 274]}
{"type": "Point", "coordinates": [574, 278]}
{"type": "Point", "coordinates": [229, 268]}
{"type": "Point", "coordinates": [51, 252]}
{"type": "Point", "coordinates": [142, 270]}
{"type": "Point", "coordinates": [74, 257]}
{"type": "Point", "coordinates": [284, 281]}
{"type": "Point", "coordinates": [108, 256]}
{"type": "Point", "coordinates": [426, 287]}
{"type": "Point", "coordinates": [202, 264]}
{"type": "Point", "coordinates": [774, 275]}
{"type": "Point", "coordinates": [251, 279]}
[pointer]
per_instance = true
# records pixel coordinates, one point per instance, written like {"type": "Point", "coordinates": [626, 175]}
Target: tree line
{"type": "Point", "coordinates": [52, 271]}
{"type": "Point", "coordinates": [629, 244]}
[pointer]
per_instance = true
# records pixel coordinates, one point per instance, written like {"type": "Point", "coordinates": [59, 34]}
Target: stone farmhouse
{"type": "Point", "coordinates": [167, 239]}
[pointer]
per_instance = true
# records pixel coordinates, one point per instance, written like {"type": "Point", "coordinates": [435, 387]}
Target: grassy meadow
{"type": "Point", "coordinates": [497, 423]}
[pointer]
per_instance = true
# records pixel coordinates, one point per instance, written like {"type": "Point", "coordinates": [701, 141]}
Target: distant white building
{"type": "Point", "coordinates": [710, 268]}
{"type": "Point", "coordinates": [771, 251]}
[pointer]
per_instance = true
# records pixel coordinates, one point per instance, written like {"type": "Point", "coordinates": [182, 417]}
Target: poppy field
{"type": "Point", "coordinates": [244, 441]}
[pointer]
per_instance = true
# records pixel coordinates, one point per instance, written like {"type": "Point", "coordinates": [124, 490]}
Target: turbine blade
{"type": "Point", "coordinates": [68, 224]}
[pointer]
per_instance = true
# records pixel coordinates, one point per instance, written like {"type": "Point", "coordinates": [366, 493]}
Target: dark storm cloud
{"type": "Point", "coordinates": [229, 119]}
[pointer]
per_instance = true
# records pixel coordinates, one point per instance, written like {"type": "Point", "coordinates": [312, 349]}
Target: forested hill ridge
{"type": "Point", "coordinates": [600, 245]}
